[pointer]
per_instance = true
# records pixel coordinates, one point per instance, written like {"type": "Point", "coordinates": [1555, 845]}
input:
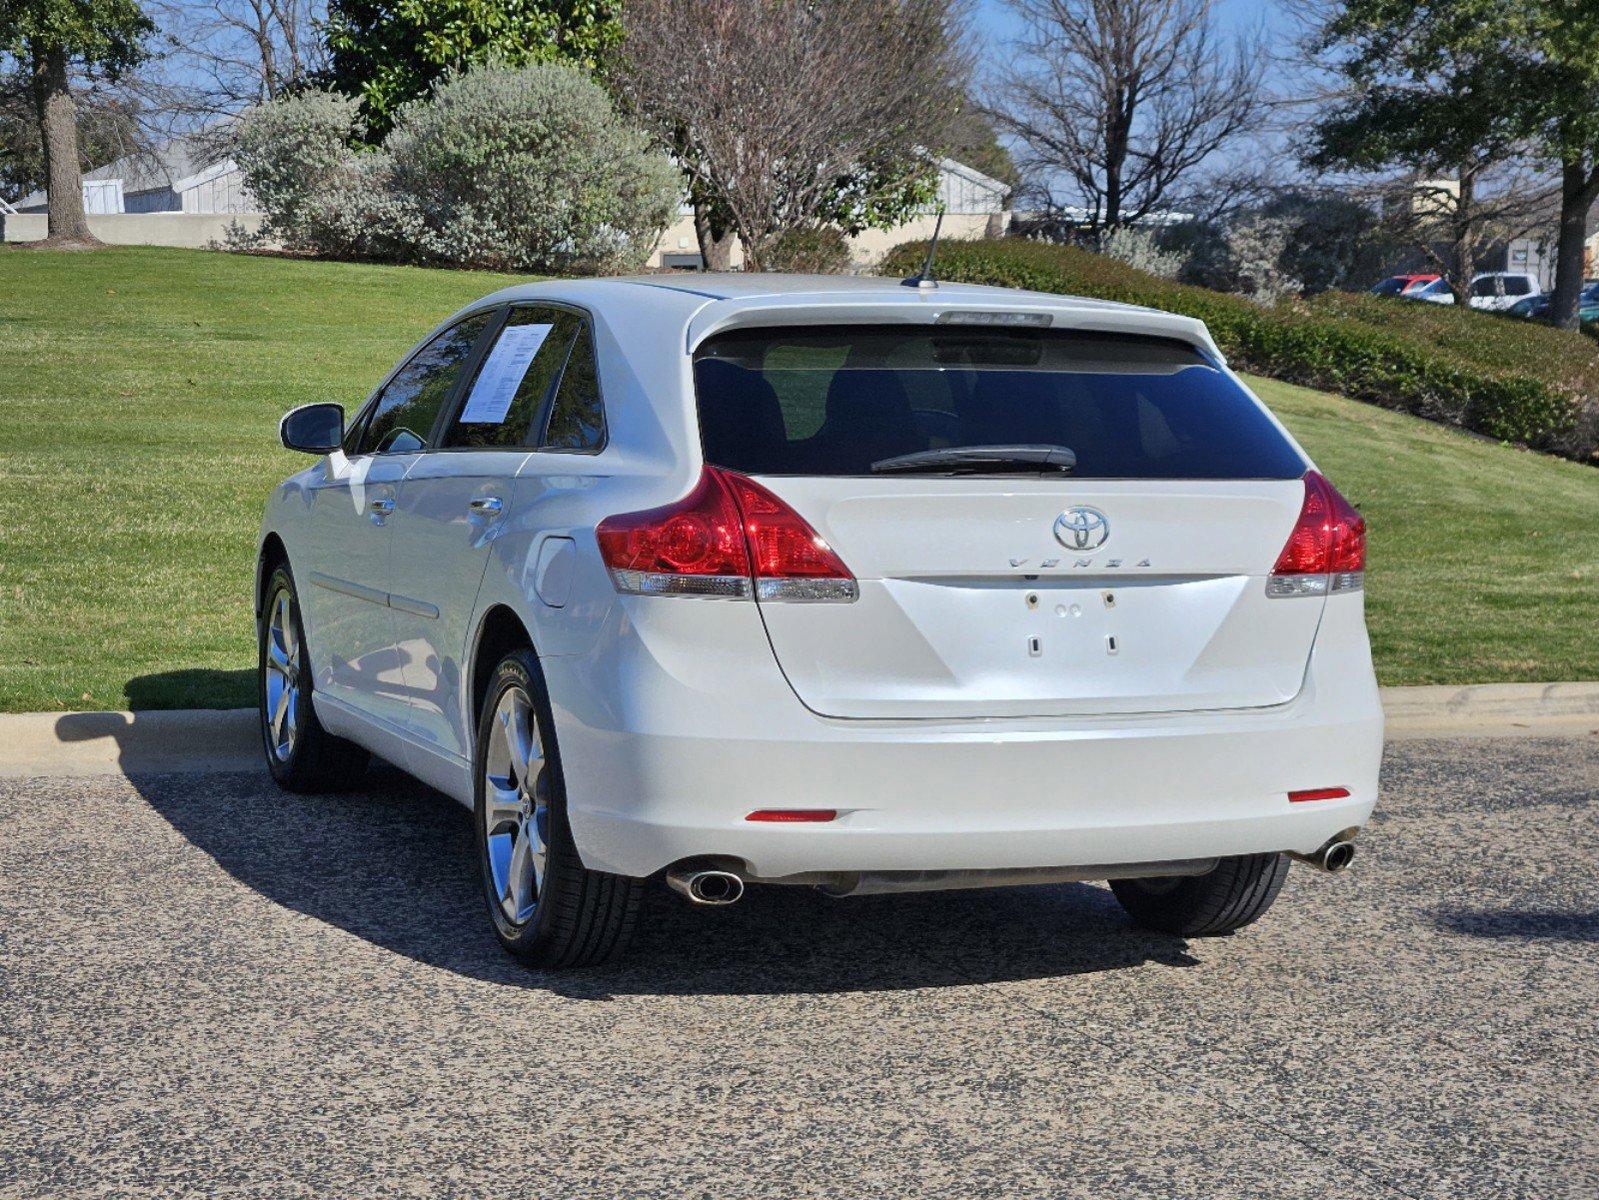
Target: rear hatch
{"type": "Point", "coordinates": [1132, 583]}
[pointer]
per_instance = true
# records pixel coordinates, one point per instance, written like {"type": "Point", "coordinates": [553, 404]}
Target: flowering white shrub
{"type": "Point", "coordinates": [517, 169]}
{"type": "Point", "coordinates": [311, 186]}
{"type": "Point", "coordinates": [531, 168]}
{"type": "Point", "coordinates": [1256, 244]}
{"type": "Point", "coordinates": [1137, 248]}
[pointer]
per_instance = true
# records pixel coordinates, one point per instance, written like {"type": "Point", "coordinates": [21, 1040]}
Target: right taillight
{"type": "Point", "coordinates": [728, 537]}
{"type": "Point", "coordinates": [1326, 551]}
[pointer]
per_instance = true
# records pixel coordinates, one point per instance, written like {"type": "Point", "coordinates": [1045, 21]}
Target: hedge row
{"type": "Point", "coordinates": [1512, 380]}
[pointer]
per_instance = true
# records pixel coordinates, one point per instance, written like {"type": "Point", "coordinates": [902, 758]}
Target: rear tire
{"type": "Point", "coordinates": [547, 908]}
{"type": "Point", "coordinates": [1237, 893]}
{"type": "Point", "coordinates": [302, 756]}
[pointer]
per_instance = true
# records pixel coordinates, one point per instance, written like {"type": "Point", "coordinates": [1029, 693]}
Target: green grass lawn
{"type": "Point", "coordinates": [139, 397]}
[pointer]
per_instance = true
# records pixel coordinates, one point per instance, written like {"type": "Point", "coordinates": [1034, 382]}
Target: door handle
{"type": "Point", "coordinates": [382, 506]}
{"type": "Point", "coordinates": [486, 506]}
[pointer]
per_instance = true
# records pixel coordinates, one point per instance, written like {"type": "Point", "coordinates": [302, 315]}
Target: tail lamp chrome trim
{"type": "Point", "coordinates": [1281, 587]}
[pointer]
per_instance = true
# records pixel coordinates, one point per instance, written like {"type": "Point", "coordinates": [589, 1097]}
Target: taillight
{"type": "Point", "coordinates": [728, 537]}
{"type": "Point", "coordinates": [790, 559]}
{"type": "Point", "coordinates": [694, 547]}
{"type": "Point", "coordinates": [1326, 550]}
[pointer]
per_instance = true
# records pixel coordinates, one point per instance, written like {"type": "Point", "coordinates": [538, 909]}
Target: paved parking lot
{"type": "Point", "coordinates": [210, 988]}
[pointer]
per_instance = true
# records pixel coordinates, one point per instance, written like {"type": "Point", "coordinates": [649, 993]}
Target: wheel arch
{"type": "Point", "coordinates": [273, 554]}
{"type": "Point", "coordinates": [499, 631]}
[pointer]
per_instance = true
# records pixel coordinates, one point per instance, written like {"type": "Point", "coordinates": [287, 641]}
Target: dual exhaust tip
{"type": "Point", "coordinates": [706, 886]}
{"type": "Point", "coordinates": [711, 886]}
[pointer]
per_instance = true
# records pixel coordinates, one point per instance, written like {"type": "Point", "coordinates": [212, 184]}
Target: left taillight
{"type": "Point", "coordinates": [729, 537]}
{"type": "Point", "coordinates": [1326, 550]}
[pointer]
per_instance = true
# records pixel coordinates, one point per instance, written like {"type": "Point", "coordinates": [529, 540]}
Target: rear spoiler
{"type": "Point", "coordinates": [926, 307]}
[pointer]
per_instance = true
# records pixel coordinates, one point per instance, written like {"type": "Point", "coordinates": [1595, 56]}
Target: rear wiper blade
{"type": "Point", "coordinates": [979, 460]}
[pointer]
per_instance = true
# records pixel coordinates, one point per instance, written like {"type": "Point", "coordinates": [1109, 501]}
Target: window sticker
{"type": "Point", "coordinates": [496, 384]}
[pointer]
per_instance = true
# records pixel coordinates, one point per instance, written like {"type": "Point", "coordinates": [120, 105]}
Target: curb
{"type": "Point", "coordinates": [123, 743]}
{"type": "Point", "coordinates": [209, 741]}
{"type": "Point", "coordinates": [1492, 710]}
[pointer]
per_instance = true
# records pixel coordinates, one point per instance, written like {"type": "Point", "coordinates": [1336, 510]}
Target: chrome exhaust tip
{"type": "Point", "coordinates": [1332, 858]}
{"type": "Point", "coordinates": [1337, 856]}
{"type": "Point", "coordinates": [707, 887]}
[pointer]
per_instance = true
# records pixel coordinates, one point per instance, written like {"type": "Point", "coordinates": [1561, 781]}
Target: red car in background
{"type": "Point", "coordinates": [1403, 285]}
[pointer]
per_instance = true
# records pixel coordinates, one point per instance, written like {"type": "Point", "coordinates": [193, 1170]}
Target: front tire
{"type": "Point", "coordinates": [1237, 893]}
{"type": "Point", "coordinates": [302, 756]}
{"type": "Point", "coordinates": [547, 908]}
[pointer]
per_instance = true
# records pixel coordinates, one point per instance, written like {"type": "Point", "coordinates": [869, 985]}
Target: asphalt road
{"type": "Point", "coordinates": [210, 988]}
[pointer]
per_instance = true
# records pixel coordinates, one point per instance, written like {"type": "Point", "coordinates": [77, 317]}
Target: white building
{"type": "Point", "coordinates": [178, 177]}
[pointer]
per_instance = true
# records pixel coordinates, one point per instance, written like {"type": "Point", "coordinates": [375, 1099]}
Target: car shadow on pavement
{"type": "Point", "coordinates": [393, 864]}
{"type": "Point", "coordinates": [1530, 924]}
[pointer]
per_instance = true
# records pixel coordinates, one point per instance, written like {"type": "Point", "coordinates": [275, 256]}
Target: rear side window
{"type": "Point", "coordinates": [402, 418]}
{"type": "Point", "coordinates": [832, 401]}
{"type": "Point", "coordinates": [577, 419]}
{"type": "Point", "coordinates": [515, 379]}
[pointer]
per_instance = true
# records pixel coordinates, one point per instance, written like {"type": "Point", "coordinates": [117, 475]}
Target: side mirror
{"type": "Point", "coordinates": [313, 428]}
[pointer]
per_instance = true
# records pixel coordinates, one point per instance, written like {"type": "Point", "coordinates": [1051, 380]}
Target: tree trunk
{"type": "Point", "coordinates": [1465, 247]}
{"type": "Point", "coordinates": [1578, 186]}
{"type": "Point", "coordinates": [756, 241]}
{"type": "Point", "coordinates": [716, 245]}
{"type": "Point", "coordinates": [58, 129]}
{"type": "Point", "coordinates": [1117, 139]}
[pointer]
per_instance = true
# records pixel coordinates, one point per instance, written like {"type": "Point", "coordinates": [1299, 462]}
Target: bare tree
{"type": "Point", "coordinates": [1122, 101]}
{"type": "Point", "coordinates": [771, 108]}
{"type": "Point", "coordinates": [224, 55]}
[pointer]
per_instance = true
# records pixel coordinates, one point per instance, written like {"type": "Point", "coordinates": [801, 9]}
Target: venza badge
{"type": "Point", "coordinates": [1082, 528]}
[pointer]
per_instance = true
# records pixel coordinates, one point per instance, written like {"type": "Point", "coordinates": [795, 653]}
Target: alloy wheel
{"type": "Point", "coordinates": [281, 712]}
{"type": "Point", "coordinates": [516, 808]}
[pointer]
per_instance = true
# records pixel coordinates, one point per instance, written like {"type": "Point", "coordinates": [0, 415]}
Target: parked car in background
{"type": "Point", "coordinates": [1402, 285]}
{"type": "Point", "coordinates": [1536, 308]}
{"type": "Point", "coordinates": [1491, 291]}
{"type": "Point", "coordinates": [825, 582]}
{"type": "Point", "coordinates": [1495, 291]}
{"type": "Point", "coordinates": [1436, 292]}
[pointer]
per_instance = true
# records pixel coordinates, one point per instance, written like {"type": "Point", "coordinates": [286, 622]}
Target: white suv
{"type": "Point", "coordinates": [829, 582]}
{"type": "Point", "coordinates": [1493, 291]}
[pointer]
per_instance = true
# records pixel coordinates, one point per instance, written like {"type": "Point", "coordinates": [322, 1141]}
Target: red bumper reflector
{"type": "Point", "coordinates": [792, 814]}
{"type": "Point", "coordinates": [1318, 794]}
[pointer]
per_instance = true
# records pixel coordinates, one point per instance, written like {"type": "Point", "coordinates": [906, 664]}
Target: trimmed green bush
{"type": "Point", "coordinates": [1516, 381]}
{"type": "Point", "coordinates": [823, 251]}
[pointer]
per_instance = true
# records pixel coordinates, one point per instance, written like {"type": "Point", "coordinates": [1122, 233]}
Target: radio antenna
{"type": "Point", "coordinates": [925, 280]}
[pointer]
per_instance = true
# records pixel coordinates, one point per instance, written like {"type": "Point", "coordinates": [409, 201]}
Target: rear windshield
{"type": "Point", "coordinates": [834, 400]}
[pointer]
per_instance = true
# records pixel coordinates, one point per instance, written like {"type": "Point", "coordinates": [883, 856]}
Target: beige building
{"type": "Point", "coordinates": [974, 205]}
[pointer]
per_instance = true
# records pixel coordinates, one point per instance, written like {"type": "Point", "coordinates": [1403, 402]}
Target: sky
{"type": "Point", "coordinates": [995, 24]}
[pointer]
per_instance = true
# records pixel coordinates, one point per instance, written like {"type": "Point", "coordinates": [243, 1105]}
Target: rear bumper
{"type": "Point", "coordinates": [672, 771]}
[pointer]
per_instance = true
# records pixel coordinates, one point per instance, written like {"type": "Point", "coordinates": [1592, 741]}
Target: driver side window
{"type": "Point", "coordinates": [403, 415]}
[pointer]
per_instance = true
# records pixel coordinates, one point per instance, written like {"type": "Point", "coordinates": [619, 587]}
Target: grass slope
{"type": "Point", "coordinates": [139, 395]}
{"type": "Point", "coordinates": [1484, 559]}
